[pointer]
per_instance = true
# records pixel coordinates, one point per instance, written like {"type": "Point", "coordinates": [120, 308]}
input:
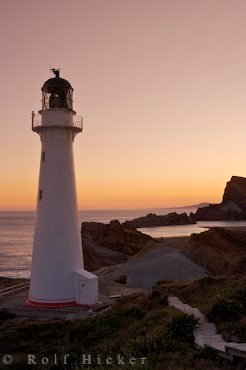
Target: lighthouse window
{"type": "Point", "coordinates": [40, 196]}
{"type": "Point", "coordinates": [43, 156]}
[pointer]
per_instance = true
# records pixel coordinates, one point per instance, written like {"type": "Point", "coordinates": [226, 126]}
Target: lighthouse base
{"type": "Point", "coordinates": [84, 289]}
{"type": "Point", "coordinates": [51, 304]}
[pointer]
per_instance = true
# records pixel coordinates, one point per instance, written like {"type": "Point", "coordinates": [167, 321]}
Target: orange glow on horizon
{"type": "Point", "coordinates": [160, 86]}
{"type": "Point", "coordinates": [114, 197]}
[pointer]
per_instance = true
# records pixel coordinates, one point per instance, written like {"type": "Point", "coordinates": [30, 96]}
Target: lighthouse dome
{"type": "Point", "coordinates": [56, 81]}
{"type": "Point", "coordinates": [57, 93]}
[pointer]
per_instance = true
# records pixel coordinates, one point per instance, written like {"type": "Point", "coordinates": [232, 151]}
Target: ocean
{"type": "Point", "coordinates": [16, 233]}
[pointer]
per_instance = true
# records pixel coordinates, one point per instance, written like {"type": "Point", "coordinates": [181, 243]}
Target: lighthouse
{"type": "Point", "coordinates": [58, 278]}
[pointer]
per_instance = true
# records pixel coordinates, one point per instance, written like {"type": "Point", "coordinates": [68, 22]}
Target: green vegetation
{"type": "Point", "coordinates": [137, 326]}
{"type": "Point", "coordinates": [4, 315]}
{"type": "Point", "coordinates": [181, 327]}
{"type": "Point", "coordinates": [229, 314]}
{"type": "Point", "coordinates": [121, 279]}
{"type": "Point", "coordinates": [222, 299]}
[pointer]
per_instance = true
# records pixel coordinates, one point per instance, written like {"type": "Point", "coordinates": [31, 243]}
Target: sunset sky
{"type": "Point", "coordinates": [161, 85]}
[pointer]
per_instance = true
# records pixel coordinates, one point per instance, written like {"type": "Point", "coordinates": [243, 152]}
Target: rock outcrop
{"type": "Point", "coordinates": [220, 251]}
{"type": "Point", "coordinates": [213, 212]}
{"type": "Point", "coordinates": [232, 207]}
{"type": "Point", "coordinates": [152, 220]}
{"type": "Point", "coordinates": [235, 192]}
{"type": "Point", "coordinates": [110, 244]}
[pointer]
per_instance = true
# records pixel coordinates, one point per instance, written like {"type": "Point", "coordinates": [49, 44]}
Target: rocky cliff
{"type": "Point", "coordinates": [232, 207]}
{"type": "Point", "coordinates": [110, 244]}
{"type": "Point", "coordinates": [220, 251]}
{"type": "Point", "coordinates": [152, 220]}
{"type": "Point", "coordinates": [235, 192]}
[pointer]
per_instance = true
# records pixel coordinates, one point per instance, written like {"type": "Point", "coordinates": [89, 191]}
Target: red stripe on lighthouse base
{"type": "Point", "coordinates": [51, 304]}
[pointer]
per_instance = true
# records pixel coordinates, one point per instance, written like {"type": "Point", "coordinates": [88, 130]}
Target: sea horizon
{"type": "Point", "coordinates": [17, 229]}
{"type": "Point", "coordinates": [113, 209]}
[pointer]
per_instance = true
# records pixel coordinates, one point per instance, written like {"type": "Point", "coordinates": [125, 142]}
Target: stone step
{"type": "Point", "coordinates": [240, 346]}
{"type": "Point", "coordinates": [206, 333]}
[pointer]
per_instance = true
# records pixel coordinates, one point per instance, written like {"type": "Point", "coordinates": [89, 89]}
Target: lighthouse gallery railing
{"type": "Point", "coordinates": [37, 122]}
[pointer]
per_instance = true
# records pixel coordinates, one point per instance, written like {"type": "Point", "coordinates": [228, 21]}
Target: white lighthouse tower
{"type": "Point", "coordinates": [58, 277]}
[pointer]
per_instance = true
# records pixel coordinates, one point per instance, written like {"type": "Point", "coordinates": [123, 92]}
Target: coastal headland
{"type": "Point", "coordinates": [139, 321]}
{"type": "Point", "coordinates": [137, 275]}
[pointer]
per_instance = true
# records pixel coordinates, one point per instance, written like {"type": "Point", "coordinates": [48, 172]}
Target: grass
{"type": "Point", "coordinates": [222, 299]}
{"type": "Point", "coordinates": [138, 325]}
{"type": "Point", "coordinates": [4, 315]}
{"type": "Point", "coordinates": [121, 279]}
{"type": "Point", "coordinates": [229, 314]}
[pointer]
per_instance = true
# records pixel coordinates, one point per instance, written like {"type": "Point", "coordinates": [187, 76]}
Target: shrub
{"type": "Point", "coordinates": [208, 280]}
{"type": "Point", "coordinates": [226, 309]}
{"type": "Point", "coordinates": [181, 326]}
{"type": "Point", "coordinates": [101, 327]}
{"type": "Point", "coordinates": [148, 345]}
{"type": "Point", "coordinates": [163, 300]}
{"type": "Point", "coordinates": [155, 293]}
{"type": "Point", "coordinates": [132, 312]}
{"type": "Point", "coordinates": [205, 352]}
{"type": "Point", "coordinates": [240, 296]}
{"type": "Point", "coordinates": [5, 315]}
{"type": "Point", "coordinates": [159, 297]}
{"type": "Point", "coordinates": [121, 279]}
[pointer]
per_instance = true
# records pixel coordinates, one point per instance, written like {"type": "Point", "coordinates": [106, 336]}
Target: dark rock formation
{"type": "Point", "coordinates": [221, 251]}
{"type": "Point", "coordinates": [110, 244]}
{"type": "Point", "coordinates": [152, 220]}
{"type": "Point", "coordinates": [235, 192]}
{"type": "Point", "coordinates": [215, 212]}
{"type": "Point", "coordinates": [232, 207]}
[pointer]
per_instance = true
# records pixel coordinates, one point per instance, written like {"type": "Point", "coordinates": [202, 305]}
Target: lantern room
{"type": "Point", "coordinates": [57, 93]}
